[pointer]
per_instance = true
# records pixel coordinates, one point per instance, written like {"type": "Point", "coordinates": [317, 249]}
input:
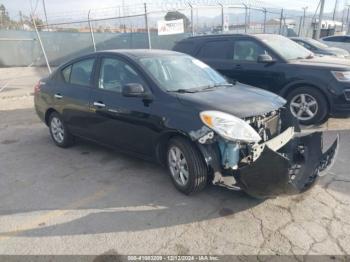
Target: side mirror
{"type": "Point", "coordinates": [265, 58]}
{"type": "Point", "coordinates": [133, 90]}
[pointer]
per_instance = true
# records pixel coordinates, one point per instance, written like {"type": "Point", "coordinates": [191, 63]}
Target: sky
{"type": "Point", "coordinates": [68, 8]}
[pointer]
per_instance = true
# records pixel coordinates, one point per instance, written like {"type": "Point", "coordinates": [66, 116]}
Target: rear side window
{"type": "Point", "coordinates": [79, 73]}
{"type": "Point", "coordinates": [214, 50]}
{"type": "Point", "coordinates": [335, 39]}
{"type": "Point", "coordinates": [185, 47]}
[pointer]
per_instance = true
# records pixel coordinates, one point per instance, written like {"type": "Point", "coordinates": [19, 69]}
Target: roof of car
{"type": "Point", "coordinates": [203, 37]}
{"type": "Point", "coordinates": [299, 38]}
{"type": "Point", "coordinates": [139, 53]}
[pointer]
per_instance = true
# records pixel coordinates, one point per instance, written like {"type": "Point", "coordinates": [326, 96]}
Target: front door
{"type": "Point", "coordinates": [119, 121]}
{"type": "Point", "coordinates": [246, 69]}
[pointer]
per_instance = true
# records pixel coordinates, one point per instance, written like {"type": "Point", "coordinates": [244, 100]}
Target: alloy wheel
{"type": "Point", "coordinates": [178, 165]}
{"type": "Point", "coordinates": [304, 107]}
{"type": "Point", "coordinates": [57, 130]}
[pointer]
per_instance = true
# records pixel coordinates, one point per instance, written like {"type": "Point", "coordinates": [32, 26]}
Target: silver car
{"type": "Point", "coordinates": [341, 41]}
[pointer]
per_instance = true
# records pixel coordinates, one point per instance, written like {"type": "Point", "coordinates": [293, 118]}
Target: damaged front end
{"type": "Point", "coordinates": [285, 161]}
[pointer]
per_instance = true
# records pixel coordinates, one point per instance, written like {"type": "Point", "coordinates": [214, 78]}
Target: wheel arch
{"type": "Point", "coordinates": [289, 88]}
{"type": "Point", "coordinates": [48, 113]}
{"type": "Point", "coordinates": [209, 154]}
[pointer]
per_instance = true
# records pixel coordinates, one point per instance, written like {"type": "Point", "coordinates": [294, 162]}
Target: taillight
{"type": "Point", "coordinates": [37, 88]}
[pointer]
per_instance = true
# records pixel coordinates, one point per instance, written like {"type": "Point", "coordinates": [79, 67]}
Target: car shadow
{"type": "Point", "coordinates": [88, 189]}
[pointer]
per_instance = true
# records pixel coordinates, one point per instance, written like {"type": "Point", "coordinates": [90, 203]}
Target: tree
{"type": "Point", "coordinates": [27, 20]}
{"type": "Point", "coordinates": [5, 21]}
{"type": "Point", "coordinates": [174, 15]}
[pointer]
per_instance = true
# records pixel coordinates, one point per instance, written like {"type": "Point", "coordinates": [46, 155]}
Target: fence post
{"type": "Point", "coordinates": [41, 45]}
{"type": "Point", "coordinates": [192, 21]}
{"type": "Point", "coordinates": [265, 12]}
{"type": "Point", "coordinates": [91, 32]}
{"type": "Point", "coordinates": [147, 27]}
{"type": "Point", "coordinates": [245, 18]}
{"type": "Point", "coordinates": [281, 18]}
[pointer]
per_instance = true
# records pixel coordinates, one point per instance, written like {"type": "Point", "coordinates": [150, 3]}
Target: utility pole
{"type": "Point", "coordinates": [45, 13]}
{"type": "Point", "coordinates": [300, 25]}
{"type": "Point", "coordinates": [347, 19]}
{"type": "Point", "coordinates": [342, 19]}
{"type": "Point", "coordinates": [304, 17]}
{"type": "Point", "coordinates": [147, 27]}
{"type": "Point", "coordinates": [320, 18]}
{"type": "Point", "coordinates": [281, 19]}
{"type": "Point", "coordinates": [265, 11]}
{"type": "Point", "coordinates": [21, 19]}
{"type": "Point", "coordinates": [335, 9]}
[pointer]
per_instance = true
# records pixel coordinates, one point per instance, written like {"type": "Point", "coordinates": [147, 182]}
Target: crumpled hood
{"type": "Point", "coordinates": [239, 100]}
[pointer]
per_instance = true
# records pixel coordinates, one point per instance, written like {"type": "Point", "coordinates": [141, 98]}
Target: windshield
{"type": "Point", "coordinates": [181, 72]}
{"type": "Point", "coordinates": [316, 43]}
{"type": "Point", "coordinates": [285, 47]}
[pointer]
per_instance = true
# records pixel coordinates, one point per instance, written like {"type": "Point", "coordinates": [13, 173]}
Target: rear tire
{"type": "Point", "coordinates": [59, 132]}
{"type": "Point", "coordinates": [308, 105]}
{"type": "Point", "coordinates": [186, 166]}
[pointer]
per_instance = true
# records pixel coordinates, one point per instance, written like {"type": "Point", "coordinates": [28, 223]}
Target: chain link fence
{"type": "Point", "coordinates": [135, 26]}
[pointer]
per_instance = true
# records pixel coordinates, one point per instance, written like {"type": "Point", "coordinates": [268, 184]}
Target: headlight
{"type": "Point", "coordinates": [229, 126]}
{"type": "Point", "coordinates": [342, 76]}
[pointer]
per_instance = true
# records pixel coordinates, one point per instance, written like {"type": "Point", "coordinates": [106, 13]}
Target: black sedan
{"type": "Point", "coordinates": [176, 110]}
{"type": "Point", "coordinates": [319, 48]}
{"type": "Point", "coordinates": [315, 87]}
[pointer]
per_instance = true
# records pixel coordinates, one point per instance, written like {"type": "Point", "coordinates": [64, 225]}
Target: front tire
{"type": "Point", "coordinates": [308, 105]}
{"type": "Point", "coordinates": [186, 166]}
{"type": "Point", "coordinates": [59, 132]}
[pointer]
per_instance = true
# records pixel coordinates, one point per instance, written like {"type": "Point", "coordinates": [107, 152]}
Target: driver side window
{"type": "Point", "coordinates": [115, 73]}
{"type": "Point", "coordinates": [247, 50]}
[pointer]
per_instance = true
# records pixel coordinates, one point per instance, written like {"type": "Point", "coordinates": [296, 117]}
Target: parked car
{"type": "Point", "coordinates": [176, 110]}
{"type": "Point", "coordinates": [319, 48]}
{"type": "Point", "coordinates": [341, 41]}
{"type": "Point", "coordinates": [314, 87]}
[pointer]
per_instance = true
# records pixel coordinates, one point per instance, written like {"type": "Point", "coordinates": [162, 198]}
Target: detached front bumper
{"type": "Point", "coordinates": [287, 164]}
{"type": "Point", "coordinates": [292, 169]}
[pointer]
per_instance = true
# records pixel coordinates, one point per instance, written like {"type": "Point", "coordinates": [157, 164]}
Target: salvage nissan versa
{"type": "Point", "coordinates": [174, 109]}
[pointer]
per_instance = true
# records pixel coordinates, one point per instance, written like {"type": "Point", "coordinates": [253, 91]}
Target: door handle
{"type": "Point", "coordinates": [58, 96]}
{"type": "Point", "coordinates": [99, 104]}
{"type": "Point", "coordinates": [239, 67]}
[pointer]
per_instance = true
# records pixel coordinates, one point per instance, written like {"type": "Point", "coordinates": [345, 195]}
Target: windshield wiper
{"type": "Point", "coordinates": [210, 87]}
{"type": "Point", "coordinates": [199, 89]}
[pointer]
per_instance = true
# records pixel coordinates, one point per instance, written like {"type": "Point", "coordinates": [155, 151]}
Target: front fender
{"type": "Point", "coordinates": [287, 88]}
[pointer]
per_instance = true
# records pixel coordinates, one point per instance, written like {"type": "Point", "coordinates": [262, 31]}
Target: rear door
{"type": "Point", "coordinates": [217, 53]}
{"type": "Point", "coordinates": [73, 92]}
